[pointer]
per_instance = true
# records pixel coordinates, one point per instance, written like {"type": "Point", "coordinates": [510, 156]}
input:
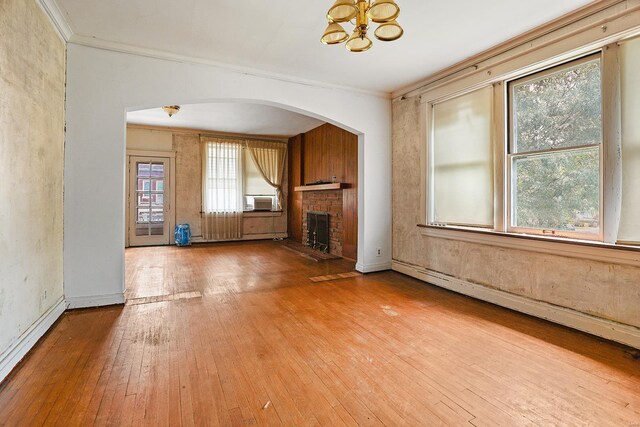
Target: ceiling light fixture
{"type": "Point", "coordinates": [383, 12]}
{"type": "Point", "coordinates": [171, 109]}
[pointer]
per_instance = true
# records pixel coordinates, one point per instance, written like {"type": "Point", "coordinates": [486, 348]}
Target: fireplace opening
{"type": "Point", "coordinates": [318, 230]}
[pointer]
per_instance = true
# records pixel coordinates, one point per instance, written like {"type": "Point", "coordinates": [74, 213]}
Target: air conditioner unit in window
{"type": "Point", "coordinates": [262, 203]}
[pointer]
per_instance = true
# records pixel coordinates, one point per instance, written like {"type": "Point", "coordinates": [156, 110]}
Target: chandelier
{"type": "Point", "coordinates": [383, 12]}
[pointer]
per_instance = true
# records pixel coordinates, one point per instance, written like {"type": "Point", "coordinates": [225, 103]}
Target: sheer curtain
{"type": "Point", "coordinates": [221, 188]}
{"type": "Point", "coordinates": [269, 158]}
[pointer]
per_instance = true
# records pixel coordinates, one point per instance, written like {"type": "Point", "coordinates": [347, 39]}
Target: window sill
{"type": "Point", "coordinates": [603, 252]}
{"type": "Point", "coordinates": [261, 214]}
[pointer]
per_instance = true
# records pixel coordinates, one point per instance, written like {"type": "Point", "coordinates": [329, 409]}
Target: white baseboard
{"type": "Point", "coordinates": [624, 334]}
{"type": "Point", "coordinates": [14, 354]}
{"type": "Point", "coordinates": [264, 236]}
{"type": "Point", "coordinates": [95, 300]}
{"type": "Point", "coordinates": [258, 236]}
{"type": "Point", "coordinates": [372, 268]}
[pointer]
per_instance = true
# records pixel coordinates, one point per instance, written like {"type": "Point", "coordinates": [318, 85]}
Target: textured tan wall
{"type": "Point", "coordinates": [149, 140]}
{"type": "Point", "coordinates": [188, 181]}
{"type": "Point", "coordinates": [606, 290]}
{"type": "Point", "coordinates": [32, 85]}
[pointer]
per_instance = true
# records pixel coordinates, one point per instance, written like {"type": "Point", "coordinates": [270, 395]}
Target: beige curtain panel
{"type": "Point", "coordinates": [269, 158]}
{"type": "Point", "coordinates": [222, 203]}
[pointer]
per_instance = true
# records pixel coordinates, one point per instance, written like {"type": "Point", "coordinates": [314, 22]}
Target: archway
{"type": "Point", "coordinates": [103, 85]}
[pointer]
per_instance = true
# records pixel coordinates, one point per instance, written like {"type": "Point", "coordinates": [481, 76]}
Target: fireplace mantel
{"type": "Point", "coordinates": [321, 187]}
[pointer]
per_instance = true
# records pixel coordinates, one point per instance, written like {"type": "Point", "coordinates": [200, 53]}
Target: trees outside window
{"type": "Point", "coordinates": [554, 150]}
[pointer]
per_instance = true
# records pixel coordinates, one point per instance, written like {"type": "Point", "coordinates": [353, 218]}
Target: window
{"type": "Point", "coordinates": [149, 196]}
{"type": "Point", "coordinates": [254, 183]}
{"type": "Point", "coordinates": [554, 151]}
{"type": "Point", "coordinates": [222, 177]}
{"type": "Point", "coordinates": [462, 153]}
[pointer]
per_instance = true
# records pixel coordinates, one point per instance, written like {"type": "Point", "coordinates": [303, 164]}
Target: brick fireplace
{"type": "Point", "coordinates": [329, 201]}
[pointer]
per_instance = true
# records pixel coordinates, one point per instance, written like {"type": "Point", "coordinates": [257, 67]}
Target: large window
{"type": "Point", "coordinates": [222, 183]}
{"type": "Point", "coordinates": [461, 161]}
{"type": "Point", "coordinates": [237, 172]}
{"type": "Point", "coordinates": [554, 151]}
{"type": "Point", "coordinates": [564, 142]}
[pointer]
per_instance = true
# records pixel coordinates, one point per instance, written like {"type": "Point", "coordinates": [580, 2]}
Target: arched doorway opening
{"type": "Point", "coordinates": [167, 184]}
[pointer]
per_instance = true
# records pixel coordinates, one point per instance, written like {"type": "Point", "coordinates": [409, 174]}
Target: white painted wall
{"type": "Point", "coordinates": [102, 85]}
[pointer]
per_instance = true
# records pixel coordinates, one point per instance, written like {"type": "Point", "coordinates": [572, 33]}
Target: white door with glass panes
{"type": "Point", "coordinates": [149, 201]}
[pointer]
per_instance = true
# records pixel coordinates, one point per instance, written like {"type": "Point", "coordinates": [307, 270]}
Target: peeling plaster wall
{"type": "Point", "coordinates": [32, 85]}
{"type": "Point", "coordinates": [188, 182]}
{"type": "Point", "coordinates": [605, 290]}
{"type": "Point", "coordinates": [149, 140]}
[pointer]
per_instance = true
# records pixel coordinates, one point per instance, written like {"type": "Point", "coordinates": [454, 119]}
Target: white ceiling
{"type": "Point", "coordinates": [283, 36]}
{"type": "Point", "coordinates": [253, 119]}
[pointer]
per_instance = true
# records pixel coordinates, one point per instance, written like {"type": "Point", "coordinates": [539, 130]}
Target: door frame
{"type": "Point", "coordinates": [171, 211]}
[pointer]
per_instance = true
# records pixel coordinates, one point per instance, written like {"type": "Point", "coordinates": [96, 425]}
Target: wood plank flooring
{"type": "Point", "coordinates": [265, 345]}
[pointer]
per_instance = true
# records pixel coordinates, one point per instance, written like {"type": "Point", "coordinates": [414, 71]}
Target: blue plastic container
{"type": "Point", "coordinates": [183, 235]}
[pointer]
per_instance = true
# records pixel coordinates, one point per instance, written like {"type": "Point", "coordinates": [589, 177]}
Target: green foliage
{"type": "Point", "coordinates": [558, 190]}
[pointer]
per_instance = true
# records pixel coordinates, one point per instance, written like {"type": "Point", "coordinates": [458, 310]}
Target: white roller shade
{"type": "Point", "coordinates": [462, 160]}
{"type": "Point", "coordinates": [629, 231]}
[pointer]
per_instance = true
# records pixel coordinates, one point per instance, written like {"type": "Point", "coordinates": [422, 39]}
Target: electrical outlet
{"type": "Point", "coordinates": [378, 252]}
{"type": "Point", "coordinates": [43, 296]}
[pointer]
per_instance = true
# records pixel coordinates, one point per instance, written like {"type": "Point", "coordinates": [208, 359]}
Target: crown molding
{"type": "Point", "coordinates": [204, 132]}
{"type": "Point", "coordinates": [51, 9]}
{"type": "Point", "coordinates": [55, 14]}
{"type": "Point", "coordinates": [472, 63]}
{"type": "Point", "coordinates": [169, 56]}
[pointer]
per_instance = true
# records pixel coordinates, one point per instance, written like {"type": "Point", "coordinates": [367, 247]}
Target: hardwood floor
{"type": "Point", "coordinates": [238, 334]}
